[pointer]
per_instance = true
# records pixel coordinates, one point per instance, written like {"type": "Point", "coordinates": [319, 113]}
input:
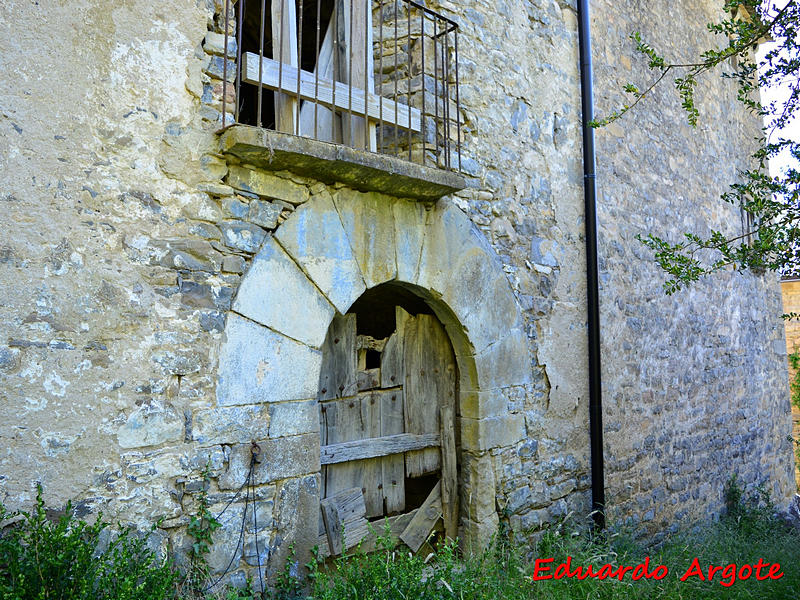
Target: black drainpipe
{"type": "Point", "coordinates": [592, 286]}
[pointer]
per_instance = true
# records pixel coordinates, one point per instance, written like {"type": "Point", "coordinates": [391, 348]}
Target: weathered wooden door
{"type": "Point", "coordinates": [387, 420]}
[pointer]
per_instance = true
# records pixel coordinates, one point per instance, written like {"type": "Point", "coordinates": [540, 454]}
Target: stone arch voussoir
{"type": "Point", "coordinates": [324, 256]}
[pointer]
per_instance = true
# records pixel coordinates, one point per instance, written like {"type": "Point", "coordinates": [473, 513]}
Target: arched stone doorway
{"type": "Point", "coordinates": [387, 401]}
{"type": "Point", "coordinates": [321, 260]}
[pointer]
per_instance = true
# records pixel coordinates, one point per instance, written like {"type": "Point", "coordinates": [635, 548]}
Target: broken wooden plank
{"type": "Point", "coordinates": [373, 447]}
{"type": "Point", "coordinates": [392, 357]}
{"type": "Point", "coordinates": [418, 529]}
{"type": "Point", "coordinates": [324, 92]}
{"type": "Point", "coordinates": [375, 529]}
{"type": "Point", "coordinates": [367, 342]}
{"type": "Point", "coordinates": [394, 489]}
{"type": "Point", "coordinates": [337, 377]}
{"type": "Point", "coordinates": [344, 517]}
{"type": "Point", "coordinates": [368, 379]}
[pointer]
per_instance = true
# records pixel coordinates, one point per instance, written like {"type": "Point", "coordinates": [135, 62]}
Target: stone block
{"type": "Point", "coordinates": [149, 425]}
{"type": "Point", "coordinates": [242, 236]}
{"type": "Point", "coordinates": [264, 517]}
{"type": "Point", "coordinates": [449, 236]}
{"type": "Point", "coordinates": [481, 296]}
{"type": "Point", "coordinates": [477, 489]}
{"type": "Point", "coordinates": [215, 44]}
{"type": "Point", "coordinates": [409, 233]}
{"type": "Point", "coordinates": [235, 208]}
{"type": "Point", "coordinates": [492, 432]}
{"type": "Point", "coordinates": [215, 66]}
{"type": "Point", "coordinates": [474, 536]}
{"type": "Point", "coordinates": [479, 405]}
{"type": "Point", "coordinates": [233, 264]}
{"type": "Point", "coordinates": [256, 549]}
{"type": "Point", "coordinates": [293, 418]}
{"type": "Point", "coordinates": [190, 255]}
{"type": "Point", "coordinates": [267, 185]}
{"type": "Point", "coordinates": [507, 362]}
{"type": "Point", "coordinates": [297, 522]}
{"type": "Point", "coordinates": [280, 459]}
{"type": "Point", "coordinates": [276, 293]}
{"type": "Point", "coordinates": [231, 424]}
{"type": "Point", "coordinates": [313, 235]}
{"type": "Point", "coordinates": [257, 364]}
{"type": "Point", "coordinates": [264, 214]}
{"type": "Point", "coordinates": [225, 540]}
{"type": "Point", "coordinates": [368, 221]}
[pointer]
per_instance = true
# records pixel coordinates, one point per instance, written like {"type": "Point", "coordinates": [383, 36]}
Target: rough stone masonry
{"type": "Point", "coordinates": [141, 267]}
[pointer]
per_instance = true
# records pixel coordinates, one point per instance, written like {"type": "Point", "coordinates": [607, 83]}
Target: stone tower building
{"type": "Point", "coordinates": [176, 288]}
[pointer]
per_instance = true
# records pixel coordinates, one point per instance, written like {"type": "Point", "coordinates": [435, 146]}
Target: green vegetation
{"type": "Point", "coordinates": [748, 533]}
{"type": "Point", "coordinates": [42, 559]}
{"type": "Point", "coordinates": [60, 559]}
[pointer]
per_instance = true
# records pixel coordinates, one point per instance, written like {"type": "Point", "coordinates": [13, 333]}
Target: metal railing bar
{"type": "Point", "coordinates": [299, 68]}
{"type": "Point", "coordinates": [316, 75]}
{"type": "Point", "coordinates": [408, 47]}
{"type": "Point", "coordinates": [367, 74]}
{"type": "Point", "coordinates": [458, 102]}
{"type": "Point", "coordinates": [260, 64]}
{"type": "Point", "coordinates": [422, 80]}
{"type": "Point", "coordinates": [380, 70]}
{"type": "Point", "coordinates": [238, 60]}
{"type": "Point", "coordinates": [225, 62]}
{"type": "Point", "coordinates": [350, 135]}
{"type": "Point", "coordinates": [394, 76]}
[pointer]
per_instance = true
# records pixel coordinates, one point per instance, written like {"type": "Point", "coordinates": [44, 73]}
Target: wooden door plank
{"type": "Point", "coordinates": [397, 525]}
{"type": "Point", "coordinates": [362, 449]}
{"type": "Point", "coordinates": [284, 49]}
{"type": "Point", "coordinates": [392, 371]}
{"type": "Point", "coordinates": [344, 518]}
{"type": "Point", "coordinates": [368, 379]}
{"type": "Point", "coordinates": [421, 390]}
{"type": "Point", "coordinates": [444, 373]}
{"type": "Point", "coordinates": [392, 423]}
{"type": "Point", "coordinates": [337, 377]}
{"type": "Point", "coordinates": [349, 421]}
{"type": "Point", "coordinates": [424, 520]}
{"type": "Point", "coordinates": [449, 474]}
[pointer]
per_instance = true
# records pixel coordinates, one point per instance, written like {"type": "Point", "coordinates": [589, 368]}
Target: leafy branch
{"type": "Point", "coordinates": [770, 204]}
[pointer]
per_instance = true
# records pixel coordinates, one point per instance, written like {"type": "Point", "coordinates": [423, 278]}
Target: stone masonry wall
{"type": "Point", "coordinates": [694, 383]}
{"type": "Point", "coordinates": [128, 234]}
{"type": "Point", "coordinates": [790, 293]}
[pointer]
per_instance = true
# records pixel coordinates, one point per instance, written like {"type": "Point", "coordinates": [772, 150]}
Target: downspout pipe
{"type": "Point", "coordinates": [592, 284]}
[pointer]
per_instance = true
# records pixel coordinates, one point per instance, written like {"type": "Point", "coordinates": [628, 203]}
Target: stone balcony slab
{"type": "Point", "coordinates": [332, 163]}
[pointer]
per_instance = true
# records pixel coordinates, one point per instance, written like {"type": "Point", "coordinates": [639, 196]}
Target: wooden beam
{"type": "Point", "coordinates": [288, 84]}
{"type": "Point", "coordinates": [284, 46]}
{"type": "Point", "coordinates": [423, 522]}
{"type": "Point", "coordinates": [373, 447]}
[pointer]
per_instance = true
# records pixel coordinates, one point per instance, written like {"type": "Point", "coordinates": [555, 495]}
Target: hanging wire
{"type": "Point", "coordinates": [247, 480]}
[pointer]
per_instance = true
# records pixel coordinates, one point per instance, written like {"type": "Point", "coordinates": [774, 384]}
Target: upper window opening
{"type": "Point", "coordinates": [375, 75]}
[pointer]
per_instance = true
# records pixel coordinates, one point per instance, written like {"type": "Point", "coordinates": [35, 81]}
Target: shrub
{"type": "Point", "coordinates": [43, 559]}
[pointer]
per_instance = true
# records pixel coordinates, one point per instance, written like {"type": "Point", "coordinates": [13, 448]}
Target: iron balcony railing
{"type": "Point", "coordinates": [376, 75]}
